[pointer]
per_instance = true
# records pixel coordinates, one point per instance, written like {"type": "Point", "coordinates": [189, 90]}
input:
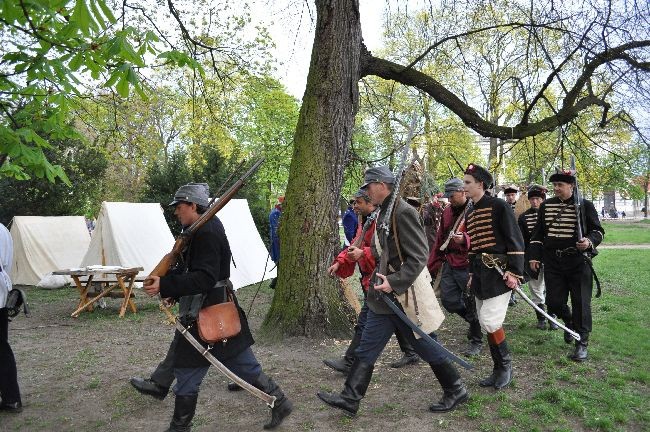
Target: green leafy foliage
{"type": "Point", "coordinates": [85, 167]}
{"type": "Point", "coordinates": [54, 51]}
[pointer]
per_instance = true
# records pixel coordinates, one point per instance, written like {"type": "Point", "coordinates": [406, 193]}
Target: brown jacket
{"type": "Point", "coordinates": [413, 246]}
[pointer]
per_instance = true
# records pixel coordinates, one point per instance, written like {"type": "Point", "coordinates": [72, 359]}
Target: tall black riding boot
{"type": "Point", "coordinates": [502, 370]}
{"type": "Point", "coordinates": [282, 406]}
{"type": "Point", "coordinates": [343, 364]}
{"type": "Point", "coordinates": [503, 374]}
{"type": "Point", "coordinates": [454, 391]}
{"type": "Point", "coordinates": [354, 389]}
{"type": "Point", "coordinates": [541, 319]}
{"type": "Point", "coordinates": [184, 408]}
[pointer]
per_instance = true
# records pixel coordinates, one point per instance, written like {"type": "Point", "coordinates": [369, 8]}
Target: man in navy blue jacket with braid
{"type": "Point", "coordinates": [567, 270]}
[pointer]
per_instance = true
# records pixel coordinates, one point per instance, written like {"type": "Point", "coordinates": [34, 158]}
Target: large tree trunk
{"type": "Point", "coordinates": [306, 303]}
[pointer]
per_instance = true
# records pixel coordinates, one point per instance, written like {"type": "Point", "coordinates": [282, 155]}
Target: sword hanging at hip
{"type": "Point", "coordinates": [270, 400]}
{"type": "Point", "coordinates": [492, 262]}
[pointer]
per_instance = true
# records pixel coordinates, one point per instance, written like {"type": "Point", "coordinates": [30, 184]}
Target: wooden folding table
{"type": "Point", "coordinates": [111, 278]}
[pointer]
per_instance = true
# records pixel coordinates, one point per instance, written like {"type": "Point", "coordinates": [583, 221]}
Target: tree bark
{"type": "Point", "coordinates": [305, 302]}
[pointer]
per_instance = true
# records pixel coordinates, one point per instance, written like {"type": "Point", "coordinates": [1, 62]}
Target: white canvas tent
{"type": "Point", "coordinates": [43, 244]}
{"type": "Point", "coordinates": [136, 234]}
{"type": "Point", "coordinates": [248, 250]}
{"type": "Point", "coordinates": [129, 235]}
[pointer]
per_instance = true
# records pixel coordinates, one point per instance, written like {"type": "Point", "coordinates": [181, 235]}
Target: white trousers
{"type": "Point", "coordinates": [492, 312]}
{"type": "Point", "coordinates": [538, 289]}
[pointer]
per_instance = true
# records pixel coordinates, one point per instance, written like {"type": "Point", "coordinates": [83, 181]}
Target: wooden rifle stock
{"type": "Point", "coordinates": [170, 258]}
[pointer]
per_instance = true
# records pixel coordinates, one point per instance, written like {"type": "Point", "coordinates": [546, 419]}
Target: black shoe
{"type": "Point", "coordinates": [473, 349]}
{"type": "Point", "coordinates": [454, 391]}
{"type": "Point", "coordinates": [340, 365]}
{"type": "Point", "coordinates": [354, 389]}
{"type": "Point", "coordinates": [551, 325]}
{"type": "Point", "coordinates": [513, 300]}
{"type": "Point", "coordinates": [282, 406]}
{"type": "Point", "coordinates": [184, 408]}
{"type": "Point", "coordinates": [149, 387]}
{"type": "Point", "coordinates": [541, 324]}
{"type": "Point", "coordinates": [234, 387]}
{"type": "Point", "coordinates": [580, 352]}
{"type": "Point", "coordinates": [406, 360]}
{"type": "Point", "coordinates": [11, 407]}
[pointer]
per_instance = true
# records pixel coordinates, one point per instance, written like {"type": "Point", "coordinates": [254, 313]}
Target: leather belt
{"type": "Point", "coordinates": [566, 251]}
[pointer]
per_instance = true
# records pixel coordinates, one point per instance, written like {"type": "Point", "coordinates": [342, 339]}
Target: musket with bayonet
{"type": "Point", "coordinates": [577, 203]}
{"type": "Point", "coordinates": [577, 199]}
{"type": "Point", "coordinates": [383, 261]}
{"type": "Point", "coordinates": [171, 258]}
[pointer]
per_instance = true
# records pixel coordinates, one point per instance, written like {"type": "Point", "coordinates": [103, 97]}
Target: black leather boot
{"type": "Point", "coordinates": [491, 379]}
{"type": "Point", "coordinates": [409, 355]}
{"type": "Point", "coordinates": [233, 386]}
{"type": "Point", "coordinates": [454, 391]}
{"type": "Point", "coordinates": [354, 389]}
{"type": "Point", "coordinates": [405, 360]}
{"type": "Point", "coordinates": [541, 319]}
{"type": "Point", "coordinates": [149, 387]}
{"type": "Point", "coordinates": [475, 338]}
{"type": "Point", "coordinates": [503, 373]}
{"type": "Point", "coordinates": [580, 352]}
{"type": "Point", "coordinates": [502, 370]}
{"type": "Point", "coordinates": [184, 408]}
{"type": "Point", "coordinates": [282, 406]}
{"type": "Point", "coordinates": [11, 407]}
{"type": "Point", "coordinates": [343, 364]}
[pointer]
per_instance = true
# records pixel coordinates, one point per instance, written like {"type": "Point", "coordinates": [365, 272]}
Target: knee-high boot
{"type": "Point", "coordinates": [282, 406]}
{"type": "Point", "coordinates": [184, 408]}
{"type": "Point", "coordinates": [502, 359]}
{"type": "Point", "coordinates": [454, 391]}
{"type": "Point", "coordinates": [354, 389]}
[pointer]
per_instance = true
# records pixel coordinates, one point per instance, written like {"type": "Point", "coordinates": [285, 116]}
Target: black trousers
{"type": "Point", "coordinates": [569, 276]}
{"type": "Point", "coordinates": [164, 373]}
{"type": "Point", "coordinates": [9, 390]}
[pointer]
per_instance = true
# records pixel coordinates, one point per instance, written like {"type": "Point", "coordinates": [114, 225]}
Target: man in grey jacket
{"type": "Point", "coordinates": [404, 266]}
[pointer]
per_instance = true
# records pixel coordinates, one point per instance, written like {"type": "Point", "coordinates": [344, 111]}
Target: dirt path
{"type": "Point", "coordinates": [625, 246]}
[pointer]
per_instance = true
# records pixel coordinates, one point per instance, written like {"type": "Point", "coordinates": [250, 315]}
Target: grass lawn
{"type": "Point", "coordinates": [609, 392]}
{"type": "Point", "coordinates": [637, 232]}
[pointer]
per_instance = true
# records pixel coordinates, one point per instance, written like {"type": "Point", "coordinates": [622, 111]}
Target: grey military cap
{"type": "Point", "coordinates": [198, 193]}
{"type": "Point", "coordinates": [379, 174]}
{"type": "Point", "coordinates": [453, 185]}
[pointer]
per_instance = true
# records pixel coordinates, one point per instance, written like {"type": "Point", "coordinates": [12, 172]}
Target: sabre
{"type": "Point", "coordinates": [491, 262]}
{"type": "Point", "coordinates": [270, 400]}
